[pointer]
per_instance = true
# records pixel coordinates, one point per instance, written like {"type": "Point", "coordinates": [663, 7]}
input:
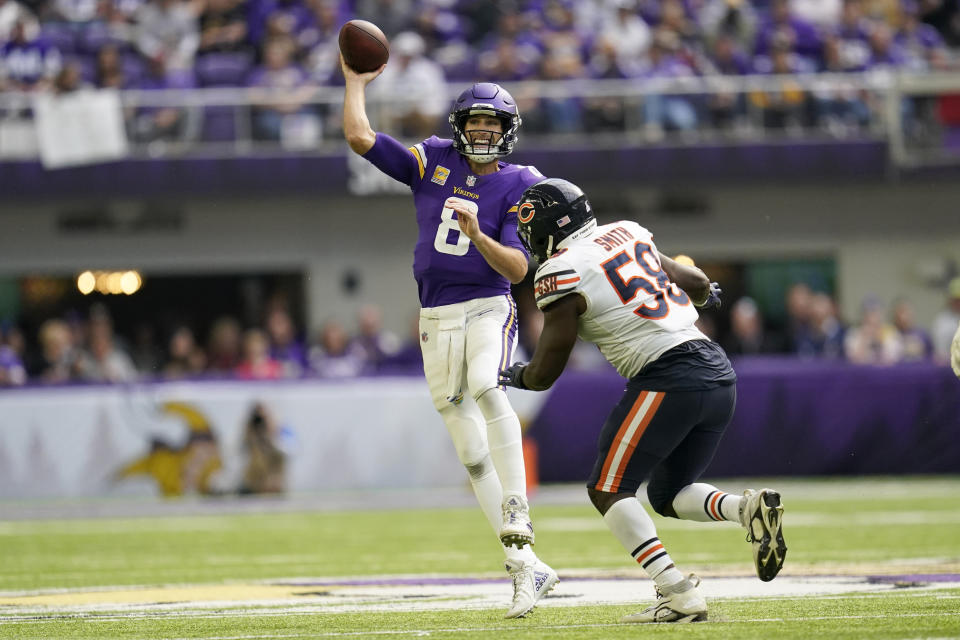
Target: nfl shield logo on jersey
{"type": "Point", "coordinates": [440, 175]}
{"type": "Point", "coordinates": [471, 180]}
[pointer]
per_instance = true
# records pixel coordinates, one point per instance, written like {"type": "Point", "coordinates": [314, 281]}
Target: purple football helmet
{"type": "Point", "coordinates": [485, 98]}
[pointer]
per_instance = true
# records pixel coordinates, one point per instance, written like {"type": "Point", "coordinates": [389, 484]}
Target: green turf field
{"type": "Point", "coordinates": [374, 573]}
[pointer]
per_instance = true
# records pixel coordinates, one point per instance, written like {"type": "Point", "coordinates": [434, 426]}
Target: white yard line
{"type": "Point", "coordinates": [324, 597]}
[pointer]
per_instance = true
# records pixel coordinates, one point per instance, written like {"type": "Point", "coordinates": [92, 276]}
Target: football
{"type": "Point", "coordinates": [363, 46]}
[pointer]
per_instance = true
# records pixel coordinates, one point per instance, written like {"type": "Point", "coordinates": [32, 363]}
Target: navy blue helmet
{"type": "Point", "coordinates": [549, 212]}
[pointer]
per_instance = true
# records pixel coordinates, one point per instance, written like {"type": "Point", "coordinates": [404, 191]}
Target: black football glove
{"type": "Point", "coordinates": [713, 299]}
{"type": "Point", "coordinates": [513, 375]}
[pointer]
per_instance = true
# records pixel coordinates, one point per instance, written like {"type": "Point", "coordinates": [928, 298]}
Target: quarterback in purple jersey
{"type": "Point", "coordinates": [466, 256]}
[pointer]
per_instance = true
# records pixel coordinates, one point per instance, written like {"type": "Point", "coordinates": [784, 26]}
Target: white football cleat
{"type": "Point", "coordinates": [517, 528]}
{"type": "Point", "coordinates": [761, 514]}
{"type": "Point", "coordinates": [679, 603]}
{"type": "Point", "coordinates": [531, 581]}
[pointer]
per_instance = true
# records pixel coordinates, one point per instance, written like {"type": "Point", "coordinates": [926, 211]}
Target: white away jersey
{"type": "Point", "coordinates": [634, 312]}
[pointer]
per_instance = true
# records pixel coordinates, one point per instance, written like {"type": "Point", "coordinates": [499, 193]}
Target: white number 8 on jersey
{"type": "Point", "coordinates": [448, 224]}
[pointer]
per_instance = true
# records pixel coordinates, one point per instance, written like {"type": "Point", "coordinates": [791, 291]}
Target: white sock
{"type": "Point", "coordinates": [486, 486]}
{"type": "Point", "coordinates": [506, 441]}
{"type": "Point", "coordinates": [703, 502]}
{"type": "Point", "coordinates": [633, 527]}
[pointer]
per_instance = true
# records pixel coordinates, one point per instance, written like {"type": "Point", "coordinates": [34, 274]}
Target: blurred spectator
{"type": "Point", "coordinates": [944, 16]}
{"type": "Point", "coordinates": [852, 38]}
{"type": "Point", "coordinates": [726, 108]}
{"type": "Point", "coordinates": [820, 13]}
{"type": "Point", "coordinates": [109, 72]}
{"type": "Point", "coordinates": [103, 360]}
{"type": "Point", "coordinates": [256, 363]}
{"type": "Point", "coordinates": [145, 353]}
{"type": "Point", "coordinates": [265, 471]}
{"type": "Point", "coordinates": [11, 12]}
{"type": "Point", "coordinates": [510, 53]}
{"type": "Point", "coordinates": [799, 303]}
{"type": "Point", "coordinates": [58, 361]}
{"type": "Point", "coordinates": [917, 344]}
{"type": "Point", "coordinates": [163, 123]}
{"type": "Point", "coordinates": [27, 63]}
{"type": "Point", "coordinates": [734, 19]}
{"type": "Point", "coordinates": [285, 346]}
{"type": "Point", "coordinates": [408, 359]}
{"type": "Point", "coordinates": [12, 371]}
{"type": "Point", "coordinates": [785, 109]}
{"type": "Point", "coordinates": [334, 356]}
{"type": "Point", "coordinates": [69, 80]}
{"type": "Point", "coordinates": [827, 332]}
{"type": "Point", "coordinates": [223, 346]}
{"type": "Point", "coordinates": [667, 112]}
{"type": "Point", "coordinates": [320, 41]}
{"type": "Point", "coordinates": [884, 52]}
{"type": "Point", "coordinates": [562, 114]}
{"type": "Point", "coordinates": [167, 32]}
{"type": "Point", "coordinates": [747, 334]}
{"type": "Point", "coordinates": [840, 109]}
{"type": "Point", "coordinates": [945, 322]}
{"type": "Point", "coordinates": [873, 341]}
{"type": "Point", "coordinates": [507, 62]}
{"type": "Point", "coordinates": [411, 74]}
{"type": "Point", "coordinates": [282, 112]}
{"type": "Point", "coordinates": [675, 17]}
{"type": "Point", "coordinates": [444, 33]}
{"type": "Point", "coordinates": [372, 340]}
{"type": "Point", "coordinates": [392, 16]}
{"type": "Point", "coordinates": [185, 359]}
{"type": "Point", "coordinates": [799, 35]}
{"type": "Point", "coordinates": [628, 35]}
{"type": "Point", "coordinates": [922, 45]}
{"type": "Point", "coordinates": [223, 27]}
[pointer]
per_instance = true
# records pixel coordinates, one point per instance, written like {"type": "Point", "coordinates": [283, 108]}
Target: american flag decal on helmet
{"type": "Point", "coordinates": [564, 221]}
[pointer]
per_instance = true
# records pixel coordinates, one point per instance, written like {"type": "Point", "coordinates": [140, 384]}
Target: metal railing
{"type": "Point", "coordinates": [900, 109]}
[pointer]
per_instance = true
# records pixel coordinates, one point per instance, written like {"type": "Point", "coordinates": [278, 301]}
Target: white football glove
{"type": "Point", "coordinates": [955, 353]}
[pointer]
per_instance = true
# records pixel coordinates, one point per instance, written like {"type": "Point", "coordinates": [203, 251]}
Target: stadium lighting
{"type": "Point", "coordinates": [130, 282]}
{"type": "Point", "coordinates": [86, 282]}
{"type": "Point", "coordinates": [109, 282]}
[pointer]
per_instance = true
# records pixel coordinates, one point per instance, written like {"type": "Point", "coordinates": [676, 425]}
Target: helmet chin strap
{"type": "Point", "coordinates": [549, 246]}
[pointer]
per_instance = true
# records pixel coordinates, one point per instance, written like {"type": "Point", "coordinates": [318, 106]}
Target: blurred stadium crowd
{"type": "Point", "coordinates": [86, 348]}
{"type": "Point", "coordinates": [291, 46]}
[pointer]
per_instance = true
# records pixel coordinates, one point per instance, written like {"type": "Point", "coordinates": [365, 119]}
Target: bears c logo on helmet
{"type": "Point", "coordinates": [525, 212]}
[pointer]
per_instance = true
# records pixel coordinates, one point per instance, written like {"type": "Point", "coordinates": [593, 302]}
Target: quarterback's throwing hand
{"type": "Point", "coordinates": [513, 375]}
{"type": "Point", "coordinates": [713, 299]}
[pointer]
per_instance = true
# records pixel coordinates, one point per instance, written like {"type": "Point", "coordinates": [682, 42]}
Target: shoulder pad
{"type": "Point", "coordinates": [554, 279]}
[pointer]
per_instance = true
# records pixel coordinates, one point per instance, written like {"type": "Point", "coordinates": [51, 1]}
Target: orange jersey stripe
{"type": "Point", "coordinates": [568, 280]}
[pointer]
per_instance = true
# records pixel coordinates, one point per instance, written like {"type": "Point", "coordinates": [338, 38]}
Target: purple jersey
{"type": "Point", "coordinates": [446, 265]}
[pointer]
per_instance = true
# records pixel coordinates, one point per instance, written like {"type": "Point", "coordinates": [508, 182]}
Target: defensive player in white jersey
{"type": "Point", "coordinates": [612, 286]}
